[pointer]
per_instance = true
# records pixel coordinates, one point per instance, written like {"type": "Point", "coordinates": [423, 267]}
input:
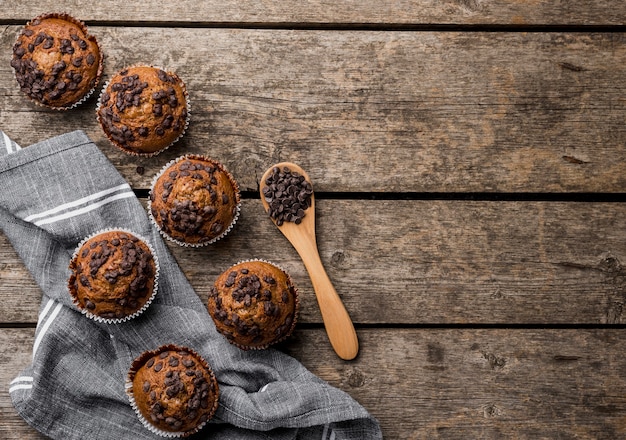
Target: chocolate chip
{"type": "Point", "coordinates": [39, 39]}
{"type": "Point", "coordinates": [158, 367]}
{"type": "Point", "coordinates": [270, 308]}
{"type": "Point", "coordinates": [163, 76]}
{"type": "Point", "coordinates": [146, 386]}
{"type": "Point", "coordinates": [19, 52]}
{"type": "Point", "coordinates": [171, 420]}
{"type": "Point", "coordinates": [167, 121]}
{"type": "Point", "coordinates": [85, 281]}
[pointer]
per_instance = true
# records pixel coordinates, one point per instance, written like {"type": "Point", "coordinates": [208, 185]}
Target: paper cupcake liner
{"type": "Point", "coordinates": [155, 289]}
{"type": "Point", "coordinates": [136, 153]}
{"type": "Point", "coordinates": [296, 311]}
{"type": "Point", "coordinates": [83, 27]}
{"type": "Point", "coordinates": [225, 231]}
{"type": "Point", "coordinates": [128, 386]}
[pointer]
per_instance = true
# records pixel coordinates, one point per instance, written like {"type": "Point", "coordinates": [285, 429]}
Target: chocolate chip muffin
{"type": "Point", "coordinates": [143, 110]}
{"type": "Point", "coordinates": [56, 62]}
{"type": "Point", "coordinates": [114, 276]}
{"type": "Point", "coordinates": [194, 201]}
{"type": "Point", "coordinates": [254, 304]}
{"type": "Point", "coordinates": [173, 390]}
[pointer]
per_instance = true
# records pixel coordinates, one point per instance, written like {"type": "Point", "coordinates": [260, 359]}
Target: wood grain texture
{"type": "Point", "coordinates": [448, 384]}
{"type": "Point", "coordinates": [376, 111]}
{"type": "Point", "coordinates": [476, 319]}
{"type": "Point", "coordinates": [388, 12]}
{"type": "Point", "coordinates": [422, 262]}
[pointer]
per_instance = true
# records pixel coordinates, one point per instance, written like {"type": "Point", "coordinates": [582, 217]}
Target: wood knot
{"type": "Point", "coordinates": [355, 378]}
{"type": "Point", "coordinates": [338, 258]}
{"type": "Point", "coordinates": [435, 354]}
{"type": "Point", "coordinates": [610, 264]}
{"type": "Point", "coordinates": [491, 410]}
{"type": "Point", "coordinates": [495, 362]}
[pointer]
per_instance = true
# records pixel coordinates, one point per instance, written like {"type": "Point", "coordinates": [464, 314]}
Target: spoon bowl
{"type": "Point", "coordinates": [301, 234]}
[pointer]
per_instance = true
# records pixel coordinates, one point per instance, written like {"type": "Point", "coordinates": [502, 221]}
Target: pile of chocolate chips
{"type": "Point", "coordinates": [288, 195]}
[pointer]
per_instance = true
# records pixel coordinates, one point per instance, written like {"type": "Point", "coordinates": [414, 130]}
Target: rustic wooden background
{"type": "Point", "coordinates": [469, 162]}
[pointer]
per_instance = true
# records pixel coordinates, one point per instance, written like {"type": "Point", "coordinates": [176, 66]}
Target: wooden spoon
{"type": "Point", "coordinates": [338, 324]}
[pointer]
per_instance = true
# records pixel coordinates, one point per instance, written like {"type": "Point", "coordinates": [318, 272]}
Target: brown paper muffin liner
{"type": "Point", "coordinates": [139, 362]}
{"type": "Point", "coordinates": [296, 312]}
{"type": "Point", "coordinates": [222, 168]}
{"type": "Point", "coordinates": [135, 153]}
{"type": "Point", "coordinates": [83, 27]}
{"type": "Point", "coordinates": [97, 318]}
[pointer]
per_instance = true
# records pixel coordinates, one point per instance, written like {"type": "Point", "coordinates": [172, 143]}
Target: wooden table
{"type": "Point", "coordinates": [469, 161]}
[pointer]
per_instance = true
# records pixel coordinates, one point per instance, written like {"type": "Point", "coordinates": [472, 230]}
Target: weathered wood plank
{"type": "Point", "coordinates": [488, 384]}
{"type": "Point", "coordinates": [541, 12]}
{"type": "Point", "coordinates": [423, 261]}
{"type": "Point", "coordinates": [377, 111]}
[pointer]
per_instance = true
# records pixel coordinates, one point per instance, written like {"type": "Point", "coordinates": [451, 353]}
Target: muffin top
{"type": "Point", "coordinates": [173, 389]}
{"type": "Point", "coordinates": [56, 63]}
{"type": "Point", "coordinates": [143, 110]}
{"type": "Point", "coordinates": [113, 276]}
{"type": "Point", "coordinates": [254, 304]}
{"type": "Point", "coordinates": [194, 200]}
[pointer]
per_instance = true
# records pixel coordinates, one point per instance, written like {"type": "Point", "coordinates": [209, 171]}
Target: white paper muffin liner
{"type": "Point", "coordinates": [155, 289]}
{"type": "Point", "coordinates": [225, 231]}
{"type": "Point", "coordinates": [128, 386]}
{"type": "Point", "coordinates": [296, 312]}
{"type": "Point", "coordinates": [136, 153]}
{"type": "Point", "coordinates": [81, 24]}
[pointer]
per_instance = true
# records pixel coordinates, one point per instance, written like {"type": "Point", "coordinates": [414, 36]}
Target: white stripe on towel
{"type": "Point", "coordinates": [21, 379]}
{"type": "Point", "coordinates": [45, 310]}
{"type": "Point", "coordinates": [21, 383]}
{"type": "Point", "coordinates": [7, 142]}
{"type": "Point", "coordinates": [45, 327]}
{"type": "Point", "coordinates": [79, 202]}
{"type": "Point", "coordinates": [21, 386]}
{"type": "Point", "coordinates": [85, 209]}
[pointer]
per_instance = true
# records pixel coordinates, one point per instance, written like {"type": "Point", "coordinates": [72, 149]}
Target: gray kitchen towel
{"type": "Point", "coordinates": [54, 194]}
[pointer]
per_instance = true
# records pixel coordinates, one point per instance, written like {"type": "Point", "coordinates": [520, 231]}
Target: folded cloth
{"type": "Point", "coordinates": [63, 189]}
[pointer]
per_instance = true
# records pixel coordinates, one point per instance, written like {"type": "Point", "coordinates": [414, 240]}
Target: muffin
{"type": "Point", "coordinates": [254, 304]}
{"type": "Point", "coordinates": [173, 390]}
{"type": "Point", "coordinates": [113, 276]}
{"type": "Point", "coordinates": [194, 201]}
{"type": "Point", "coordinates": [143, 110]}
{"type": "Point", "coordinates": [56, 62]}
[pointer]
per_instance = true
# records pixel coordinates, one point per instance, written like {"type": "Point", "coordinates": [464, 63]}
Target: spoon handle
{"type": "Point", "coordinates": [338, 324]}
